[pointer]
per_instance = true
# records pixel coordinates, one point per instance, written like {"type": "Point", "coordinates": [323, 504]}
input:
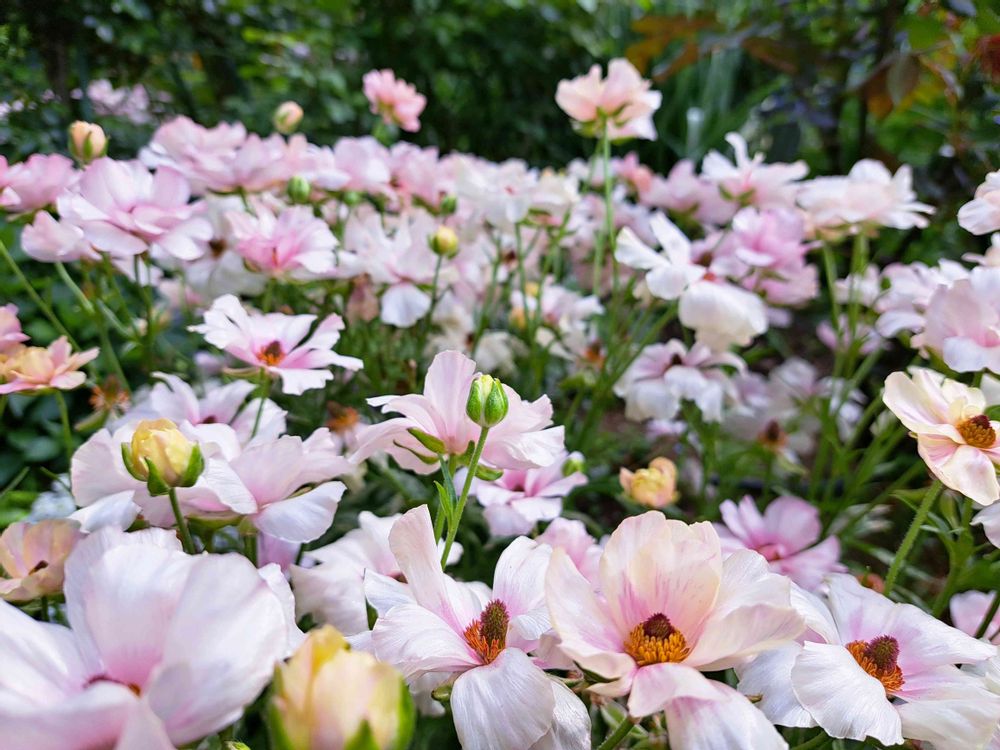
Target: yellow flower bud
{"type": "Point", "coordinates": [87, 141]}
{"type": "Point", "coordinates": [328, 697]}
{"type": "Point", "coordinates": [159, 442]}
{"type": "Point", "coordinates": [444, 242]}
{"type": "Point", "coordinates": [654, 486]}
{"type": "Point", "coordinates": [287, 117]}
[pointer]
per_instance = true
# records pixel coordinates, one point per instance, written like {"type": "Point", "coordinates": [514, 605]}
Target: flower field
{"type": "Point", "coordinates": [359, 444]}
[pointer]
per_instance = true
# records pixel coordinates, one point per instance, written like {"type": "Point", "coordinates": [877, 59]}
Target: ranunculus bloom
{"type": "Point", "coordinates": [37, 368]}
{"type": "Point", "coordinates": [962, 322]}
{"type": "Point", "coordinates": [720, 312]}
{"type": "Point", "coordinates": [654, 486]}
{"type": "Point", "coordinates": [956, 439]}
{"type": "Point", "coordinates": [523, 440]}
{"type": "Point", "coordinates": [911, 286]}
{"type": "Point", "coordinates": [500, 699]}
{"type": "Point", "coordinates": [160, 643]}
{"type": "Point", "coordinates": [518, 500]}
{"type": "Point", "coordinates": [667, 609]}
{"type": "Point", "coordinates": [750, 181]}
{"type": "Point", "coordinates": [124, 211]}
{"type": "Point", "coordinates": [394, 100]}
{"type": "Point", "coordinates": [665, 375]}
{"type": "Point", "coordinates": [11, 335]}
{"type": "Point", "coordinates": [277, 343]}
{"type": "Point", "coordinates": [35, 183]}
{"type": "Point", "coordinates": [291, 242]}
{"type": "Point", "coordinates": [572, 537]}
{"type": "Point", "coordinates": [622, 103]}
{"type": "Point", "coordinates": [981, 215]}
{"type": "Point", "coordinates": [869, 196]}
{"type": "Point", "coordinates": [786, 535]}
{"type": "Point", "coordinates": [32, 557]}
{"type": "Point", "coordinates": [48, 240]}
{"type": "Point", "coordinates": [869, 667]}
{"type": "Point", "coordinates": [968, 611]}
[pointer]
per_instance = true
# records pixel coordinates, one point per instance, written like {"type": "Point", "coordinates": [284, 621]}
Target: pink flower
{"type": "Point", "coordinates": [277, 343]}
{"type": "Point", "coordinates": [911, 286]}
{"type": "Point", "coordinates": [35, 183]}
{"type": "Point", "coordinates": [869, 196]}
{"type": "Point", "coordinates": [955, 438]}
{"type": "Point", "coordinates": [32, 557]}
{"type": "Point", "coordinates": [482, 640]}
{"type": "Point", "coordinates": [621, 103]}
{"type": "Point", "coordinates": [518, 500]}
{"type": "Point", "coordinates": [124, 211]}
{"type": "Point", "coordinates": [523, 440]}
{"type": "Point", "coordinates": [869, 667]}
{"type": "Point", "coordinates": [962, 322]}
{"type": "Point", "coordinates": [669, 608]}
{"type": "Point", "coordinates": [751, 182]}
{"type": "Point", "coordinates": [968, 610]}
{"type": "Point", "coordinates": [720, 313]}
{"type": "Point", "coordinates": [11, 336]}
{"type": "Point", "coordinates": [394, 100]}
{"type": "Point", "coordinates": [685, 193]}
{"type": "Point", "coordinates": [36, 368]}
{"type": "Point", "coordinates": [785, 535]}
{"type": "Point", "coordinates": [158, 654]}
{"type": "Point", "coordinates": [572, 537]}
{"type": "Point", "coordinates": [981, 215]}
{"type": "Point", "coordinates": [49, 240]}
{"type": "Point", "coordinates": [292, 242]}
{"type": "Point", "coordinates": [665, 375]}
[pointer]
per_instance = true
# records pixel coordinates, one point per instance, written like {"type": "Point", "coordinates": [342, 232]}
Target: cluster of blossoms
{"type": "Point", "coordinates": [302, 497]}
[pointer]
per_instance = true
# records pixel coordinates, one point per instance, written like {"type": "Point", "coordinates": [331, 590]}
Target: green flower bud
{"type": "Point", "coordinates": [449, 204]}
{"type": "Point", "coordinates": [444, 242]}
{"type": "Point", "coordinates": [299, 189]}
{"type": "Point", "coordinates": [487, 403]}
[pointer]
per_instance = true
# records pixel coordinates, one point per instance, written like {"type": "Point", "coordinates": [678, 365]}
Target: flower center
{"type": "Point", "coordinates": [272, 354]}
{"type": "Point", "coordinates": [772, 436]}
{"type": "Point", "coordinates": [656, 641]}
{"type": "Point", "coordinates": [977, 431]}
{"type": "Point", "coordinates": [488, 635]}
{"type": "Point", "coordinates": [878, 658]}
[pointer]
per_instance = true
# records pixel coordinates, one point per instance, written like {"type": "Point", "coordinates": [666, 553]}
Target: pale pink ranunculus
{"type": "Point", "coordinates": [720, 312]}
{"type": "Point", "coordinates": [868, 667]}
{"type": "Point", "coordinates": [49, 240]}
{"type": "Point", "coordinates": [751, 182]}
{"type": "Point", "coordinates": [786, 535]}
{"type": "Point", "coordinates": [903, 306]}
{"type": "Point", "coordinates": [162, 648]}
{"type": "Point", "coordinates": [968, 611]}
{"type": "Point", "coordinates": [955, 438]}
{"type": "Point", "coordinates": [32, 557]}
{"type": "Point", "coordinates": [482, 639]}
{"type": "Point", "coordinates": [868, 196]}
{"type": "Point", "coordinates": [11, 335]}
{"type": "Point", "coordinates": [35, 183]}
{"type": "Point", "coordinates": [124, 210]}
{"type": "Point", "coordinates": [38, 368]}
{"type": "Point", "coordinates": [665, 375]}
{"type": "Point", "coordinates": [685, 193]}
{"type": "Point", "coordinates": [279, 344]}
{"type": "Point", "coordinates": [621, 103]}
{"type": "Point", "coordinates": [516, 502]}
{"type": "Point", "coordinates": [290, 242]}
{"type": "Point", "coordinates": [571, 536]}
{"type": "Point", "coordinates": [962, 322]}
{"type": "Point", "coordinates": [669, 608]}
{"type": "Point", "coordinates": [393, 99]}
{"type": "Point", "coordinates": [981, 215]}
{"type": "Point", "coordinates": [523, 440]}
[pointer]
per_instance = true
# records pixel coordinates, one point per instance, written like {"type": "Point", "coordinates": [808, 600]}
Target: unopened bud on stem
{"type": "Point", "coordinates": [487, 402]}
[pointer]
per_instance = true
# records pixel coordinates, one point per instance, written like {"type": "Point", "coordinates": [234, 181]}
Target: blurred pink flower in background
{"type": "Point", "coordinates": [751, 182]}
{"type": "Point", "coordinates": [981, 215]}
{"type": "Point", "coordinates": [32, 557]}
{"type": "Point", "coordinates": [785, 535]}
{"type": "Point", "coordinates": [35, 183]}
{"type": "Point", "coordinates": [11, 335]}
{"type": "Point", "coordinates": [289, 242]}
{"type": "Point", "coordinates": [37, 368]}
{"type": "Point", "coordinates": [622, 103]}
{"type": "Point", "coordinates": [393, 99]}
{"type": "Point", "coordinates": [962, 322]}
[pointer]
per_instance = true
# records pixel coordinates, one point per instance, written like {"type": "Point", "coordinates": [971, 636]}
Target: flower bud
{"type": "Point", "coordinates": [328, 697]}
{"type": "Point", "coordinates": [299, 189]}
{"type": "Point", "coordinates": [444, 242]}
{"type": "Point", "coordinates": [161, 456]}
{"type": "Point", "coordinates": [487, 402]}
{"type": "Point", "coordinates": [87, 141]}
{"type": "Point", "coordinates": [449, 204]}
{"type": "Point", "coordinates": [655, 486]}
{"type": "Point", "coordinates": [287, 117]}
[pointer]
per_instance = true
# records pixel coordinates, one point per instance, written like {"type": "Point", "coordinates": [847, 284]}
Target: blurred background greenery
{"type": "Point", "coordinates": [830, 81]}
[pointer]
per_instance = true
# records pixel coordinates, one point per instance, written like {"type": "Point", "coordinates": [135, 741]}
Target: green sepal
{"type": "Point", "coordinates": [196, 465]}
{"type": "Point", "coordinates": [156, 485]}
{"type": "Point", "coordinates": [127, 460]}
{"type": "Point", "coordinates": [431, 443]}
{"type": "Point", "coordinates": [429, 460]}
{"type": "Point", "coordinates": [487, 474]}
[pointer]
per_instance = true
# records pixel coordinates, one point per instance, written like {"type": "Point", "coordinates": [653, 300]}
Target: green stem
{"type": "Point", "coordinates": [149, 338]}
{"type": "Point", "coordinates": [604, 146]}
{"type": "Point", "coordinates": [815, 742]}
{"type": "Point", "coordinates": [43, 610]}
{"type": "Point", "coordinates": [35, 296]}
{"type": "Point", "coordinates": [67, 430]}
{"type": "Point", "coordinates": [263, 390]}
{"type": "Point", "coordinates": [250, 547]}
{"type": "Point", "coordinates": [182, 528]}
{"type": "Point", "coordinates": [618, 734]}
{"type": "Point", "coordinates": [990, 614]}
{"type": "Point", "coordinates": [453, 523]}
{"type": "Point", "coordinates": [906, 546]}
{"type": "Point", "coordinates": [442, 512]}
